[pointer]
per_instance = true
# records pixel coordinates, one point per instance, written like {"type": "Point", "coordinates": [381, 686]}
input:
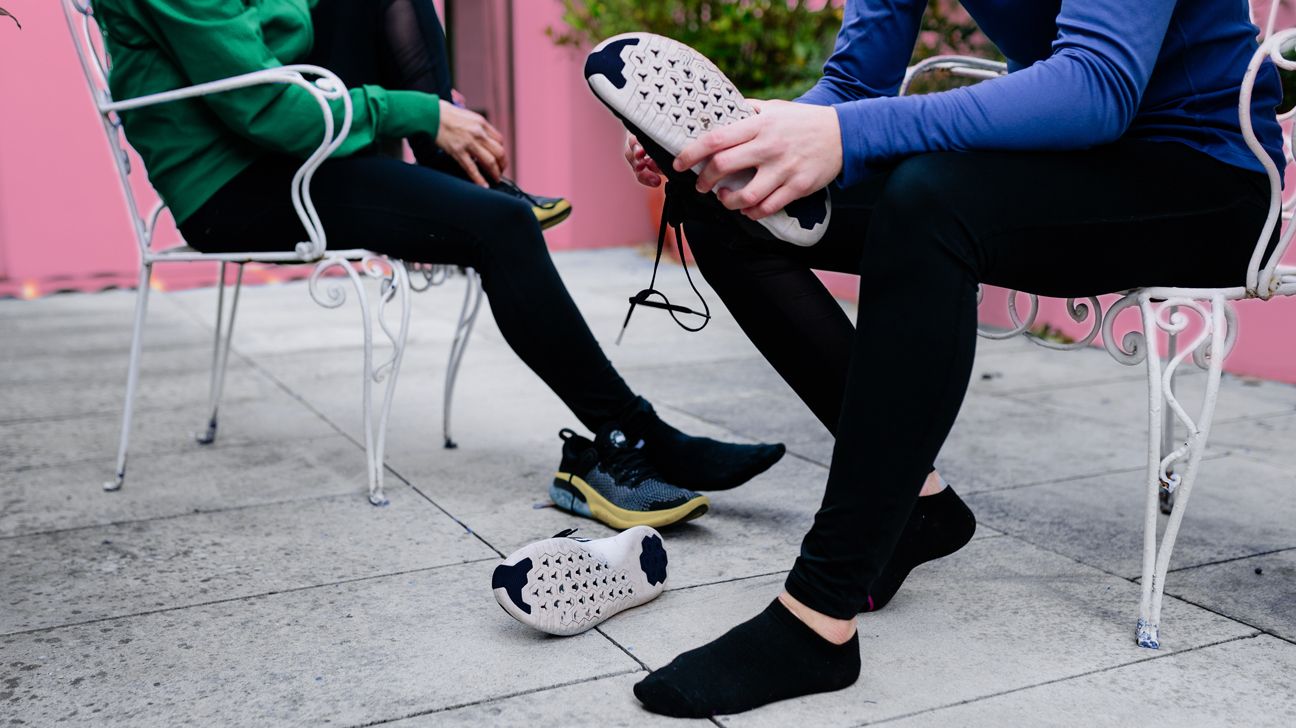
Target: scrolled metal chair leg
{"type": "Point", "coordinates": [394, 286]}
{"type": "Point", "coordinates": [220, 351]}
{"type": "Point", "coordinates": [1145, 631]}
{"type": "Point", "coordinates": [463, 330]}
{"type": "Point", "coordinates": [132, 374]}
{"type": "Point", "coordinates": [1177, 470]}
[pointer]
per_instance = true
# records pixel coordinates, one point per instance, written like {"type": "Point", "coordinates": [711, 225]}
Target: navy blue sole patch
{"type": "Point", "coordinates": [513, 579]}
{"type": "Point", "coordinates": [652, 559]}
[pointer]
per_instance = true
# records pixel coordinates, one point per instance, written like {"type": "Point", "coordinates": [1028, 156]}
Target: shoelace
{"type": "Point", "coordinates": [515, 190]}
{"type": "Point", "coordinates": [569, 533]}
{"type": "Point", "coordinates": [628, 465]}
{"type": "Point", "coordinates": [672, 217]}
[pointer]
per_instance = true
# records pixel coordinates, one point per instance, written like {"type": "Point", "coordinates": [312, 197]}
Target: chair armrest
{"type": "Point", "coordinates": [965, 66]}
{"type": "Point", "coordinates": [327, 86]}
{"type": "Point", "coordinates": [1265, 282]}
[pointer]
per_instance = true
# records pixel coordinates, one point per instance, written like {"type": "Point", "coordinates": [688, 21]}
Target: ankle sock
{"type": "Point", "coordinates": [696, 463]}
{"type": "Point", "coordinates": [939, 525]}
{"type": "Point", "coordinates": [773, 656]}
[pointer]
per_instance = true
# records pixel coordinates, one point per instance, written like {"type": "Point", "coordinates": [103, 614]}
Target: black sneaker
{"type": "Point", "coordinates": [668, 94]}
{"type": "Point", "coordinates": [567, 584]}
{"type": "Point", "coordinates": [549, 211]}
{"type": "Point", "coordinates": [699, 463]}
{"type": "Point", "coordinates": [611, 481]}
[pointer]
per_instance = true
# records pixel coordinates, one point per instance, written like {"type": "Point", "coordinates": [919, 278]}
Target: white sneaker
{"type": "Point", "coordinates": [565, 585]}
{"type": "Point", "coordinates": [670, 94]}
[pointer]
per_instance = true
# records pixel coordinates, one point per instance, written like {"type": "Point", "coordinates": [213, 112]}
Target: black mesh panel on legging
{"type": "Point", "coordinates": [419, 61]}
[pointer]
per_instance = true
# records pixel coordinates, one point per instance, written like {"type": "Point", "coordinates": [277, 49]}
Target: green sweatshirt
{"type": "Point", "coordinates": [193, 147]}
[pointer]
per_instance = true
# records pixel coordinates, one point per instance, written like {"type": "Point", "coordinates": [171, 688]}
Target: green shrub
{"type": "Point", "coordinates": [770, 49]}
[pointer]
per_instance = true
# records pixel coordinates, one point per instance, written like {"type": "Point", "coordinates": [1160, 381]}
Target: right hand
{"type": "Point", "coordinates": [476, 145]}
{"type": "Point", "coordinates": [645, 169]}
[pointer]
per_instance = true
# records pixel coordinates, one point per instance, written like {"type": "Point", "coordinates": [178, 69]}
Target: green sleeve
{"type": "Point", "coordinates": [215, 39]}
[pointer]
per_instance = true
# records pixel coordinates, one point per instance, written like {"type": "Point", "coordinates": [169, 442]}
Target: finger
{"type": "Point", "coordinates": [651, 164]}
{"type": "Point", "coordinates": [494, 133]}
{"type": "Point", "coordinates": [649, 179]}
{"type": "Point", "coordinates": [466, 161]}
{"type": "Point", "coordinates": [777, 200]}
{"type": "Point", "coordinates": [756, 104]}
{"type": "Point", "coordinates": [714, 141]}
{"type": "Point", "coordinates": [727, 162]}
{"type": "Point", "coordinates": [497, 152]}
{"type": "Point", "coordinates": [754, 192]}
{"type": "Point", "coordinates": [486, 161]}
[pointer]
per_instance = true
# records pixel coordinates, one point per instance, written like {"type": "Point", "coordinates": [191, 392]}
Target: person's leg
{"type": "Point", "coordinates": [1064, 224]}
{"type": "Point", "coordinates": [419, 214]}
{"type": "Point", "coordinates": [773, 293]}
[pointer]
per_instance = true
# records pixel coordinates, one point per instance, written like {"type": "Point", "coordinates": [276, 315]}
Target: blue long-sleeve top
{"type": "Point", "coordinates": [1082, 73]}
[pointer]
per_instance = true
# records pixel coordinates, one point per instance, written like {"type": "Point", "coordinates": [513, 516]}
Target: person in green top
{"type": "Point", "coordinates": [224, 163]}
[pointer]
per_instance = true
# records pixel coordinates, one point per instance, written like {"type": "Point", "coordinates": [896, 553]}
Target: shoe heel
{"type": "Point", "coordinates": [560, 492]}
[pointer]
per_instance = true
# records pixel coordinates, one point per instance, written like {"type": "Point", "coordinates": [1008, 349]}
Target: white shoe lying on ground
{"type": "Point", "coordinates": [566, 584]}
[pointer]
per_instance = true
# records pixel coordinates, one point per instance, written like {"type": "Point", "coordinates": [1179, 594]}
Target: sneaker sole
{"type": "Point", "coordinates": [551, 217]}
{"type": "Point", "coordinates": [587, 502]}
{"type": "Point", "coordinates": [673, 94]}
{"type": "Point", "coordinates": [564, 587]}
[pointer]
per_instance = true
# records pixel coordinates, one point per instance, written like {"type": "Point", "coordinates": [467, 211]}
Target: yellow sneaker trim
{"type": "Point", "coordinates": [550, 216]}
{"type": "Point", "coordinates": [621, 518]}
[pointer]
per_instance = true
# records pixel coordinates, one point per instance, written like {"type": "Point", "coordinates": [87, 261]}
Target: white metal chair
{"type": "Point", "coordinates": [332, 268]}
{"type": "Point", "coordinates": [1173, 459]}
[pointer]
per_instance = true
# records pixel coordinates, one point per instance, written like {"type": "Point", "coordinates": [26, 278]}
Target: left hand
{"type": "Point", "coordinates": [794, 148]}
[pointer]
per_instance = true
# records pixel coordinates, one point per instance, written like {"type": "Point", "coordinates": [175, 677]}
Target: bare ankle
{"type": "Point", "coordinates": [932, 485]}
{"type": "Point", "coordinates": [836, 631]}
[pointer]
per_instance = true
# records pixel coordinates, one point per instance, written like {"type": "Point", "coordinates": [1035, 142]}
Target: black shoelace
{"type": "Point", "coordinates": [513, 189]}
{"type": "Point", "coordinates": [671, 217]}
{"type": "Point", "coordinates": [628, 465]}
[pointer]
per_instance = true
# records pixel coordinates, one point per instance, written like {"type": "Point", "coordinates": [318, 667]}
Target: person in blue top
{"type": "Point", "coordinates": [1109, 158]}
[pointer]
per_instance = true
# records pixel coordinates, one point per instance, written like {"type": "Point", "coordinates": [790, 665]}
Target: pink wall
{"type": "Point", "coordinates": [567, 142]}
{"type": "Point", "coordinates": [62, 224]}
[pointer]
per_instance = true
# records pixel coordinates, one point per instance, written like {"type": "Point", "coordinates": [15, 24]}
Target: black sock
{"type": "Point", "coordinates": [773, 656]}
{"type": "Point", "coordinates": [939, 525]}
{"type": "Point", "coordinates": [697, 463]}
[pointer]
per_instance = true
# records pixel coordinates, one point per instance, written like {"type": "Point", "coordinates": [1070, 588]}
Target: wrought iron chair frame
{"type": "Point", "coordinates": [332, 268]}
{"type": "Point", "coordinates": [1172, 461]}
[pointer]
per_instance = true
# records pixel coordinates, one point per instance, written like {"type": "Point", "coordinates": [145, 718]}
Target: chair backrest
{"type": "Point", "coordinates": [1264, 279]}
{"type": "Point", "coordinates": [95, 64]}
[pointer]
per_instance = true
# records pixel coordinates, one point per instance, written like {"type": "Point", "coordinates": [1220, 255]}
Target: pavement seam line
{"type": "Point", "coordinates": [1136, 580]}
{"type": "Point", "coordinates": [622, 647]}
{"type": "Point", "coordinates": [1230, 560]}
{"type": "Point", "coordinates": [173, 516]}
{"type": "Point", "coordinates": [1054, 681]}
{"type": "Point", "coordinates": [244, 597]}
{"type": "Point", "coordinates": [1209, 457]}
{"type": "Point", "coordinates": [506, 696]}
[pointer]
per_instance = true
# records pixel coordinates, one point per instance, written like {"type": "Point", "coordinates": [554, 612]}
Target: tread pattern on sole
{"type": "Point", "coordinates": [568, 588]}
{"type": "Point", "coordinates": [678, 94]}
{"type": "Point", "coordinates": [674, 95]}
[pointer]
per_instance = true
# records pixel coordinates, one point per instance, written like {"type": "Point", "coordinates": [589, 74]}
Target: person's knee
{"type": "Point", "coordinates": [917, 221]}
{"type": "Point", "coordinates": [506, 230]}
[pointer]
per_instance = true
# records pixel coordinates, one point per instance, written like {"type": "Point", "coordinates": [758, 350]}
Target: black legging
{"type": "Point", "coordinates": [420, 213]}
{"type": "Point", "coordinates": [922, 237]}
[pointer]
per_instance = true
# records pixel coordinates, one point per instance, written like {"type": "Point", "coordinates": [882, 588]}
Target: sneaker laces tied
{"type": "Point", "coordinates": [514, 189]}
{"type": "Point", "coordinates": [672, 217]}
{"type": "Point", "coordinates": [628, 465]}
